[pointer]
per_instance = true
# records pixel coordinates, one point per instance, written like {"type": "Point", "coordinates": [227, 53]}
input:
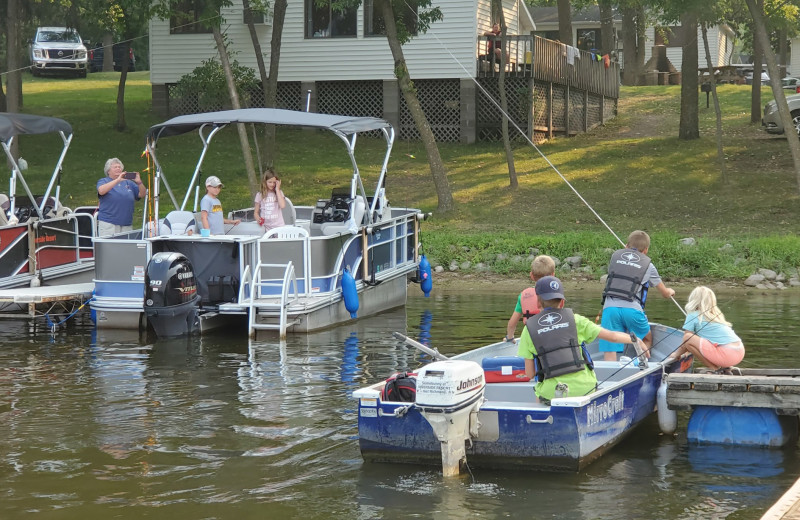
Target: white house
{"type": "Point", "coordinates": [344, 65]}
{"type": "Point", "coordinates": [319, 45]}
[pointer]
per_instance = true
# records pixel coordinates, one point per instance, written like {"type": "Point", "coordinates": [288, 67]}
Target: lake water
{"type": "Point", "coordinates": [108, 424]}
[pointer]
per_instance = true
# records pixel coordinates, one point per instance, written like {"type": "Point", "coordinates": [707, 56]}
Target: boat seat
{"type": "Point", "coordinates": [287, 232]}
{"type": "Point", "coordinates": [359, 207]}
{"type": "Point", "coordinates": [5, 203]}
{"type": "Point", "coordinates": [289, 213]}
{"type": "Point", "coordinates": [50, 208]}
{"type": "Point", "coordinates": [178, 223]}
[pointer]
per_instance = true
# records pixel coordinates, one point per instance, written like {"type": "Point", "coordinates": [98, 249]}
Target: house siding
{"type": "Point", "coordinates": [428, 56]}
{"type": "Point", "coordinates": [675, 54]}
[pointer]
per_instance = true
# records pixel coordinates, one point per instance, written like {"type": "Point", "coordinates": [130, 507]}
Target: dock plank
{"type": "Point", "coordinates": [787, 507]}
{"type": "Point", "coordinates": [774, 389]}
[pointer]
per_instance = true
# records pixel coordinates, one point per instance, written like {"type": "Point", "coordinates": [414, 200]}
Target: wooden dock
{"type": "Point", "coordinates": [29, 302]}
{"type": "Point", "coordinates": [774, 388]}
{"type": "Point", "coordinates": [787, 507]}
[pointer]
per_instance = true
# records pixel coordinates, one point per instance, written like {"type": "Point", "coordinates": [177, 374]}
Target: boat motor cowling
{"type": "Point", "coordinates": [171, 300]}
{"type": "Point", "coordinates": [449, 395]}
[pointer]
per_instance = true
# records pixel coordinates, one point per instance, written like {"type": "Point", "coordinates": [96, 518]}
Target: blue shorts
{"type": "Point", "coordinates": [622, 320]}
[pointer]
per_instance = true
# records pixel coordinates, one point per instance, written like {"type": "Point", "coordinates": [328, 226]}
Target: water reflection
{"type": "Point", "coordinates": [219, 425]}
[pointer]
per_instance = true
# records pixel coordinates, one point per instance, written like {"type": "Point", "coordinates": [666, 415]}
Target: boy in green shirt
{"type": "Point", "coordinates": [560, 333]}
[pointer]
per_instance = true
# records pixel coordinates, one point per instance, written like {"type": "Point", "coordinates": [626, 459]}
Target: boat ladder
{"type": "Point", "coordinates": [250, 290]}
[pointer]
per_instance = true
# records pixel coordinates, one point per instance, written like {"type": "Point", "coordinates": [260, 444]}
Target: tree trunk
{"type": "Point", "coordinates": [123, 77]}
{"type": "Point", "coordinates": [607, 36]}
{"type": "Point", "coordinates": [717, 111]}
{"type": "Point", "coordinates": [755, 88]}
{"type": "Point", "coordinates": [108, 52]}
{"type": "Point", "coordinates": [777, 90]}
{"type": "Point", "coordinates": [501, 85]}
{"type": "Point", "coordinates": [226, 66]}
{"type": "Point", "coordinates": [264, 157]}
{"type": "Point", "coordinates": [783, 53]}
{"type": "Point", "coordinates": [14, 76]}
{"type": "Point", "coordinates": [3, 105]}
{"type": "Point", "coordinates": [689, 125]}
{"type": "Point", "coordinates": [630, 60]}
{"type": "Point", "coordinates": [438, 171]}
{"type": "Point", "coordinates": [565, 22]}
{"type": "Point", "coordinates": [271, 94]}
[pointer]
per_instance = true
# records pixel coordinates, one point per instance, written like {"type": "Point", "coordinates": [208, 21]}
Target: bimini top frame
{"type": "Point", "coordinates": [209, 123]}
{"type": "Point", "coordinates": [12, 125]}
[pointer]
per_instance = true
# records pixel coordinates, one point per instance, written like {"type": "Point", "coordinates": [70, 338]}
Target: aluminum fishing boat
{"type": "Point", "coordinates": [350, 254]}
{"type": "Point", "coordinates": [42, 242]}
{"type": "Point", "coordinates": [461, 415]}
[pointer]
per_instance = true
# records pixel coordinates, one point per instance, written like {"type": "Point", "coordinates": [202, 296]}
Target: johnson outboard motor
{"type": "Point", "coordinates": [171, 300]}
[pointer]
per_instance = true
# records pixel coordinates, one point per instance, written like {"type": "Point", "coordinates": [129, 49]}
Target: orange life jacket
{"type": "Point", "coordinates": [529, 303]}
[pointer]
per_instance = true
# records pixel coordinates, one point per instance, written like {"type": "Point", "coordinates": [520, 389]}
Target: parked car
{"type": "Point", "coordinates": [772, 120]}
{"type": "Point", "coordinates": [792, 84]}
{"type": "Point", "coordinates": [58, 50]}
{"type": "Point", "coordinates": [97, 54]}
{"type": "Point", "coordinates": [748, 78]}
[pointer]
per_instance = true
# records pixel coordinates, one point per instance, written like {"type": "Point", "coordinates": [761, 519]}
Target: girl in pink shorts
{"type": "Point", "coordinates": [707, 334]}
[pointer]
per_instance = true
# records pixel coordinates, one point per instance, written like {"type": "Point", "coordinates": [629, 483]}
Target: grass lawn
{"type": "Point", "coordinates": [634, 172]}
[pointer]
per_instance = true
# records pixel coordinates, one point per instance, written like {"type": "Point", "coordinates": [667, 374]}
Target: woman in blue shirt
{"type": "Point", "coordinates": [708, 335]}
{"type": "Point", "coordinates": [117, 196]}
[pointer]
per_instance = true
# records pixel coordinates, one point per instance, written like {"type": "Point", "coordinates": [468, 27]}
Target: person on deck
{"type": "Point", "coordinates": [494, 49]}
{"type": "Point", "coordinates": [708, 335]}
{"type": "Point", "coordinates": [551, 344]}
{"type": "Point", "coordinates": [630, 274]}
{"type": "Point", "coordinates": [117, 193]}
{"type": "Point", "coordinates": [527, 304]}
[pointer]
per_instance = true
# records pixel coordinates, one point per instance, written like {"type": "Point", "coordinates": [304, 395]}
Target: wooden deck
{"type": "Point", "coordinates": [28, 302]}
{"type": "Point", "coordinates": [787, 507]}
{"type": "Point", "coordinates": [774, 388]}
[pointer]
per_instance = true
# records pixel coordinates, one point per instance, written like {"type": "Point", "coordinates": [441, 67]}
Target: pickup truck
{"type": "Point", "coordinates": [58, 50]}
{"type": "Point", "coordinates": [97, 53]}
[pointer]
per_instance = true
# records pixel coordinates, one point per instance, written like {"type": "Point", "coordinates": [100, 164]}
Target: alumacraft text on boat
{"type": "Point", "coordinates": [601, 411]}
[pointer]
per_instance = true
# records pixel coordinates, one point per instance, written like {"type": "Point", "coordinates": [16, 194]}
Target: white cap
{"type": "Point", "coordinates": [213, 181]}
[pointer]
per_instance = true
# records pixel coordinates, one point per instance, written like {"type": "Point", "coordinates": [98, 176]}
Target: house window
{"type": "Point", "coordinates": [322, 21]}
{"type": "Point", "coordinates": [188, 18]}
{"type": "Point", "coordinates": [588, 39]}
{"type": "Point", "coordinates": [669, 36]}
{"type": "Point", "coordinates": [373, 17]}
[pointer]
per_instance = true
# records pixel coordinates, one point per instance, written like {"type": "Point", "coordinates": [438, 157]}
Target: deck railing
{"type": "Point", "coordinates": [547, 61]}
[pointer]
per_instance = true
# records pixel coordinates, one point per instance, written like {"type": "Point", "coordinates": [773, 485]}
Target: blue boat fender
{"type": "Point", "coordinates": [667, 419]}
{"type": "Point", "coordinates": [425, 275]}
{"type": "Point", "coordinates": [349, 293]}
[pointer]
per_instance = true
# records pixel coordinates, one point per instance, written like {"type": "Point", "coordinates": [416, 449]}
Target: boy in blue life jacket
{"type": "Point", "coordinates": [551, 344]}
{"type": "Point", "coordinates": [527, 304]}
{"type": "Point", "coordinates": [630, 274]}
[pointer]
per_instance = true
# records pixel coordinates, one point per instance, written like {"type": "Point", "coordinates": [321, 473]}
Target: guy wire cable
{"type": "Point", "coordinates": [530, 141]}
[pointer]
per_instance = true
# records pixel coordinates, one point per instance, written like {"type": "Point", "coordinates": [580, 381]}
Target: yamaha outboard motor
{"type": "Point", "coordinates": [171, 300]}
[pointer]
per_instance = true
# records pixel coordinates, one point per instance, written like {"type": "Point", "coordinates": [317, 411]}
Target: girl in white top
{"type": "Point", "coordinates": [270, 201]}
{"type": "Point", "coordinates": [707, 334]}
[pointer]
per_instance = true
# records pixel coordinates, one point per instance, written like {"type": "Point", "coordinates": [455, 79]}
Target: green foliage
{"type": "Point", "coordinates": [512, 253]}
{"type": "Point", "coordinates": [207, 83]}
